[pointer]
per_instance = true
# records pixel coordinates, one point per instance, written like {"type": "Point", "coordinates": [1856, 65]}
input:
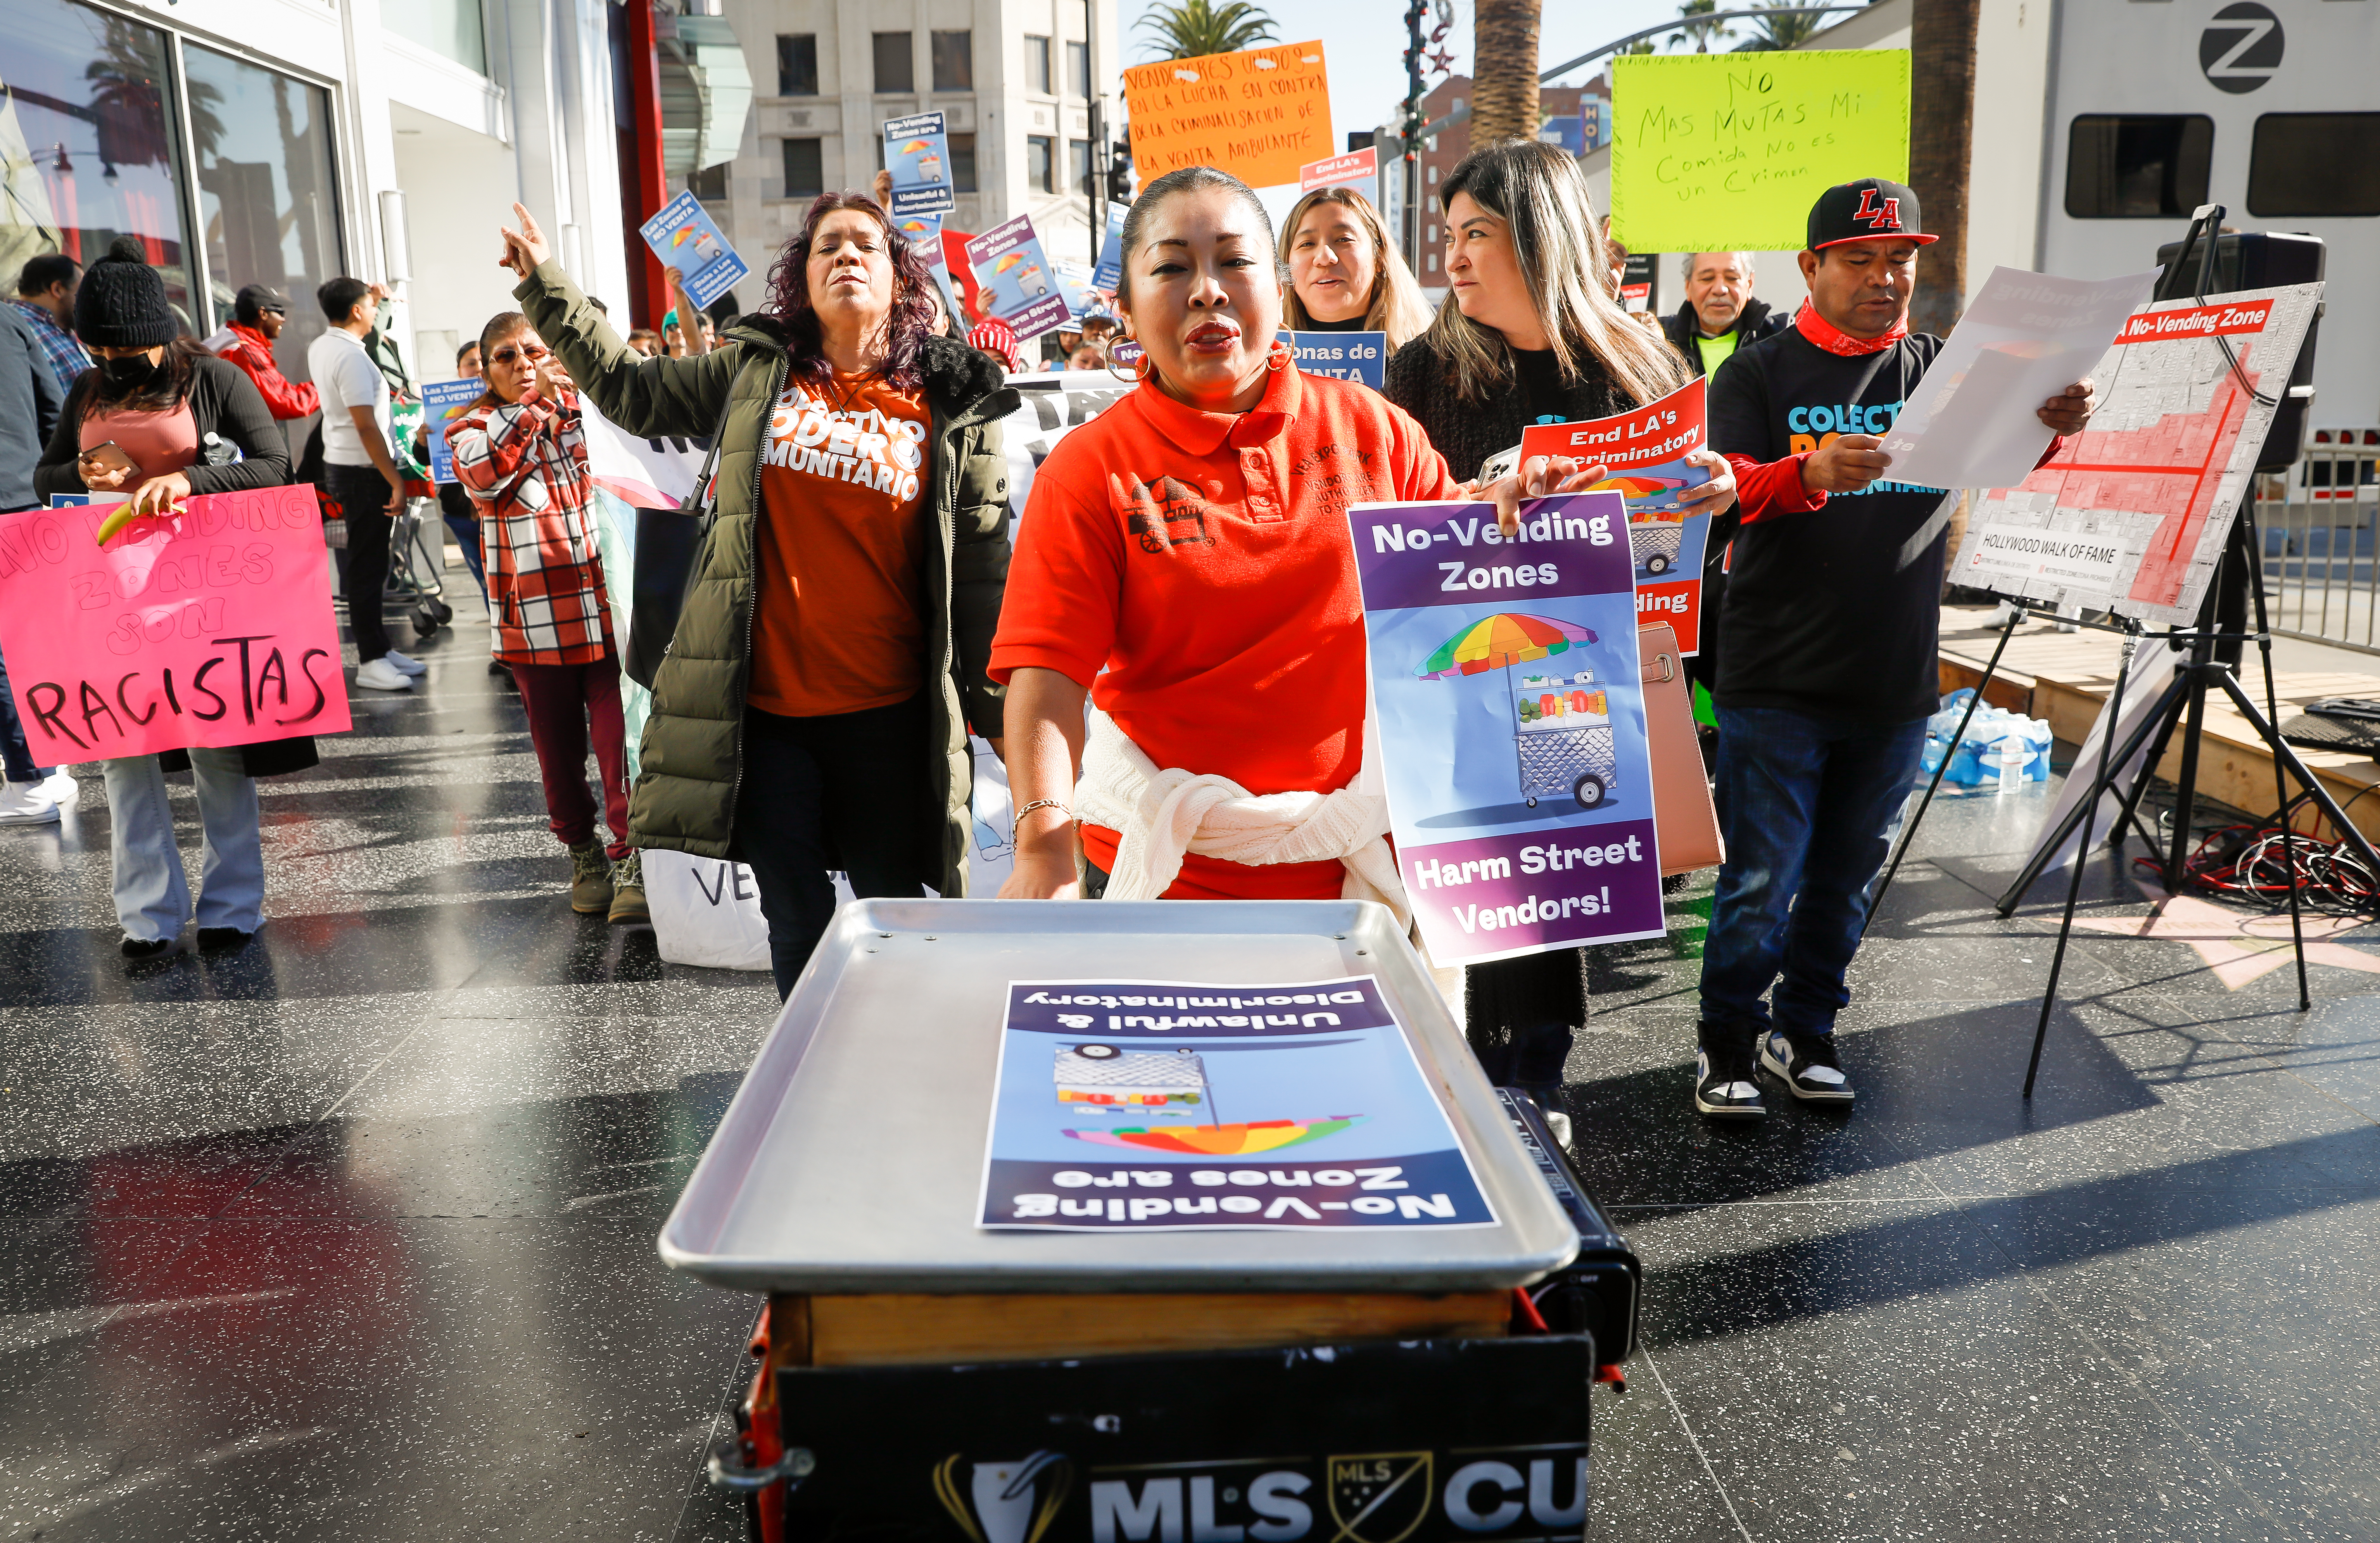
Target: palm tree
{"type": "Point", "coordinates": [1700, 31]}
{"type": "Point", "coordinates": [1941, 137]}
{"type": "Point", "coordinates": [1503, 71]}
{"type": "Point", "coordinates": [1192, 29]}
{"type": "Point", "coordinates": [1779, 32]}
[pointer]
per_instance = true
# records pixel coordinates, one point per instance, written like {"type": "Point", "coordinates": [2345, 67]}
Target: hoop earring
{"type": "Point", "coordinates": [1278, 358]}
{"type": "Point", "coordinates": [1133, 374]}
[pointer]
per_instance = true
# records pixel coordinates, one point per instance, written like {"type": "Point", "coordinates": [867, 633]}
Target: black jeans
{"type": "Point", "coordinates": [847, 793]}
{"type": "Point", "coordinates": [362, 492]}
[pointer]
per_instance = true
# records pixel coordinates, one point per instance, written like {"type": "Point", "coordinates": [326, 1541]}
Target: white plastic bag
{"type": "Point", "coordinates": [705, 911]}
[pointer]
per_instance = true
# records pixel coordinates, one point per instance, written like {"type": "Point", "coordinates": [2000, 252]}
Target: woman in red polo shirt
{"type": "Point", "coordinates": [1191, 542]}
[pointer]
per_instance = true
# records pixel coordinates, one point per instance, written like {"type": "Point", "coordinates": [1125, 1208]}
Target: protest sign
{"type": "Point", "coordinates": [1726, 152]}
{"type": "Point", "coordinates": [1974, 421]}
{"type": "Point", "coordinates": [441, 403]}
{"type": "Point", "coordinates": [1645, 451]}
{"type": "Point", "coordinates": [1360, 165]}
{"type": "Point", "coordinates": [1015, 278]}
{"type": "Point", "coordinates": [686, 237]}
{"type": "Point", "coordinates": [918, 153]}
{"type": "Point", "coordinates": [1145, 1105]}
{"type": "Point", "coordinates": [1049, 408]}
{"type": "Point", "coordinates": [1260, 115]}
{"type": "Point", "coordinates": [1511, 722]}
{"type": "Point", "coordinates": [1110, 272]}
{"type": "Point", "coordinates": [1347, 356]}
{"type": "Point", "coordinates": [925, 237]}
{"type": "Point", "coordinates": [209, 628]}
{"type": "Point", "coordinates": [2133, 514]}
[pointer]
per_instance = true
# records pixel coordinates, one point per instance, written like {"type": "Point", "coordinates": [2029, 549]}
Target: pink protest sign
{"type": "Point", "coordinates": [210, 627]}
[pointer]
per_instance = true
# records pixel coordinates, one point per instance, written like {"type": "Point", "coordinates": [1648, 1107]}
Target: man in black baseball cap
{"type": "Point", "coordinates": [258, 314]}
{"type": "Point", "coordinates": [1828, 660]}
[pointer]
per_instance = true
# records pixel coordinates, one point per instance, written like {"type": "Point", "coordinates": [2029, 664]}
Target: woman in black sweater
{"type": "Point", "coordinates": [1530, 333]}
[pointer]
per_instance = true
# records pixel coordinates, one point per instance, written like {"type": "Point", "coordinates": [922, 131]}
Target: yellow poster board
{"type": "Point", "coordinates": [1726, 152]}
{"type": "Point", "coordinates": [1259, 115]}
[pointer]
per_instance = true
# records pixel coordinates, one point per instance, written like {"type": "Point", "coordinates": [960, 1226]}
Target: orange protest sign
{"type": "Point", "coordinates": [1259, 115]}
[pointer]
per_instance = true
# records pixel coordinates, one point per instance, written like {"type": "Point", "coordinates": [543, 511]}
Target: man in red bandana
{"type": "Point", "coordinates": [1828, 657]}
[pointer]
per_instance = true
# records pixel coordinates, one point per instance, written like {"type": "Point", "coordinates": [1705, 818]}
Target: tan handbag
{"type": "Point", "coordinates": [1683, 821]}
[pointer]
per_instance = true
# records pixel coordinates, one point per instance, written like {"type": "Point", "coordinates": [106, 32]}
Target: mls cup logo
{"type": "Point", "coordinates": [1011, 1501]}
{"type": "Point", "coordinates": [1380, 1497]}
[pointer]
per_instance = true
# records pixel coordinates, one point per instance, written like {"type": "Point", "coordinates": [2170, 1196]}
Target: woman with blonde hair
{"type": "Point", "coordinates": [1530, 333]}
{"type": "Point", "coordinates": [1343, 274]}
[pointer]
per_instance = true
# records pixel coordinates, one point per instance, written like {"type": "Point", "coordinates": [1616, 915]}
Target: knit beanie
{"type": "Point", "coordinates": [122, 301]}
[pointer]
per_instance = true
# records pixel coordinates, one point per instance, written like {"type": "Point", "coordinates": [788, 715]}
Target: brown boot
{"type": "Point", "coordinates": [628, 889]}
{"type": "Point", "coordinates": [590, 879]}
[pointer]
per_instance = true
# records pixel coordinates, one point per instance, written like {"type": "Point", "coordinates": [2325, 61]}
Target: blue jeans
{"type": "Point", "coordinates": [1808, 806]}
{"type": "Point", "coordinates": [15, 756]}
{"type": "Point", "coordinates": [152, 897]}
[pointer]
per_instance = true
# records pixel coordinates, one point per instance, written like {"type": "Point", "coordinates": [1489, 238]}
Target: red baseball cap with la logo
{"type": "Point", "coordinates": [1868, 209]}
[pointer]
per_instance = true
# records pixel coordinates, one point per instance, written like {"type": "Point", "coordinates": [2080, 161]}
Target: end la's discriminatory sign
{"type": "Point", "coordinates": [1262, 115]}
{"type": "Point", "coordinates": [1716, 151]}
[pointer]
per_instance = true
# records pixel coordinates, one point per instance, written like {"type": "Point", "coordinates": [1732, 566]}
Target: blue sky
{"type": "Point", "coordinates": [1364, 43]}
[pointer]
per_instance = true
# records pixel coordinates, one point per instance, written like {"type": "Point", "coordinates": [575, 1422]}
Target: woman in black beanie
{"type": "Point", "coordinates": [156, 419]}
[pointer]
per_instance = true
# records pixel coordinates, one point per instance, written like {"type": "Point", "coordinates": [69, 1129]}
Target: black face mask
{"type": "Point", "coordinates": [130, 372]}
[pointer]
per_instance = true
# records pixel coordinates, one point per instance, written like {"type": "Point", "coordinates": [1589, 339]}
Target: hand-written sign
{"type": "Point", "coordinates": [1260, 115]}
{"type": "Point", "coordinates": [210, 627]}
{"type": "Point", "coordinates": [1728, 151]}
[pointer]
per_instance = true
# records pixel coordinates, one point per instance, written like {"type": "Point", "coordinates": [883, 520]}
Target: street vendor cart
{"type": "Point", "coordinates": [1563, 739]}
{"type": "Point", "coordinates": [923, 1373]}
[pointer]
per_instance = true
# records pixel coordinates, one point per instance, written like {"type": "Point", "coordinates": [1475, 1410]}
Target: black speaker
{"type": "Point", "coordinates": [2258, 260]}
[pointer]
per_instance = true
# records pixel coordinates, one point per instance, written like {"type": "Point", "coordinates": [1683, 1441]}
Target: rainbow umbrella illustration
{"type": "Point", "coordinates": [1237, 1140]}
{"type": "Point", "coordinates": [682, 235]}
{"type": "Point", "coordinates": [914, 146]}
{"type": "Point", "coordinates": [1636, 488]}
{"type": "Point", "coordinates": [1506, 638]}
{"type": "Point", "coordinates": [1013, 260]}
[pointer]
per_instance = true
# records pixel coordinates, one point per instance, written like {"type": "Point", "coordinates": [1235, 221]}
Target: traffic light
{"type": "Point", "coordinates": [1120, 172]}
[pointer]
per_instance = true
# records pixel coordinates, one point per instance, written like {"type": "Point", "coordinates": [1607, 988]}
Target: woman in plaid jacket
{"type": "Point", "coordinates": [520, 453]}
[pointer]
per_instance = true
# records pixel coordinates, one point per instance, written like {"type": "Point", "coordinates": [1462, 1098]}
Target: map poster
{"type": "Point", "coordinates": [1645, 451]}
{"type": "Point", "coordinates": [686, 237]}
{"type": "Point", "coordinates": [1017, 279]}
{"type": "Point", "coordinates": [1511, 713]}
{"type": "Point", "coordinates": [2132, 515]}
{"type": "Point", "coordinates": [1172, 1106]}
{"type": "Point", "coordinates": [918, 153]}
{"type": "Point", "coordinates": [1347, 356]}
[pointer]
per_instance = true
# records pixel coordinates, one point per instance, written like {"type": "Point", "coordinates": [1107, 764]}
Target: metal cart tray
{"type": "Point", "coordinates": [850, 1158]}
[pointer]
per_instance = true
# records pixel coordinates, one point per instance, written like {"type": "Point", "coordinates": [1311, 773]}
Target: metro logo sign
{"type": "Point", "coordinates": [2157, 326]}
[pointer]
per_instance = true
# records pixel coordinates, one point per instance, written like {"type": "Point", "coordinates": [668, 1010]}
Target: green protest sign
{"type": "Point", "coordinates": [1726, 152]}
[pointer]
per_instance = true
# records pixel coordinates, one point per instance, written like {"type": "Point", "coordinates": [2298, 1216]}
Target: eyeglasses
{"type": "Point", "coordinates": [508, 354]}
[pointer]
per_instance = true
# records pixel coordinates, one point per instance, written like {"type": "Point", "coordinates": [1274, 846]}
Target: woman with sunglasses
{"type": "Point", "coordinates": [1530, 333]}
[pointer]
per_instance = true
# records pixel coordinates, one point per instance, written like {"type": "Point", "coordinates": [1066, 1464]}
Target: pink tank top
{"type": "Point", "coordinates": [155, 442]}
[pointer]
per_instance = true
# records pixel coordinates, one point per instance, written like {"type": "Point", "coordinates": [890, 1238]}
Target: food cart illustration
{"type": "Point", "coordinates": [1098, 1078]}
{"type": "Point", "coordinates": [1561, 724]}
{"type": "Point", "coordinates": [1657, 521]}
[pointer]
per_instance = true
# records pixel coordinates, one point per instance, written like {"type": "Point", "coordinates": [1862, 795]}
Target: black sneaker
{"type": "Point", "coordinates": [1805, 1064]}
{"type": "Point", "coordinates": [1723, 1085]}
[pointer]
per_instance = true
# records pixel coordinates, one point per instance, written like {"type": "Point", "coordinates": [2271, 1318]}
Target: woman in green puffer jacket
{"type": "Point", "coordinates": [812, 713]}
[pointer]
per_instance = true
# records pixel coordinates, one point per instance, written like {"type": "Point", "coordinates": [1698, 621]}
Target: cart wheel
{"type": "Point", "coordinates": [1096, 1051]}
{"type": "Point", "coordinates": [439, 608]}
{"type": "Point", "coordinates": [1588, 790]}
{"type": "Point", "coordinates": [425, 621]}
{"type": "Point", "coordinates": [1657, 563]}
{"type": "Point", "coordinates": [1533, 801]}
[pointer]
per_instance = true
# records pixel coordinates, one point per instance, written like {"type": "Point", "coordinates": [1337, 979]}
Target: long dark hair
{"type": "Point", "coordinates": [1537, 190]}
{"type": "Point", "coordinates": [910, 322]}
{"type": "Point", "coordinates": [161, 392]}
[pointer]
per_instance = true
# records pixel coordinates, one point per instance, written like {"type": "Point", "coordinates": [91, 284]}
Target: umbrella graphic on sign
{"type": "Point", "coordinates": [1561, 740]}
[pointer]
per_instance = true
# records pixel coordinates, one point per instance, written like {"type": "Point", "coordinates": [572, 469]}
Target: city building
{"type": "Point", "coordinates": [1564, 109]}
{"type": "Point", "coordinates": [286, 141]}
{"type": "Point", "coordinates": [1021, 82]}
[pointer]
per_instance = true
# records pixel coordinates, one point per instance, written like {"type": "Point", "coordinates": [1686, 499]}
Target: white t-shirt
{"type": "Point", "coordinates": [347, 378]}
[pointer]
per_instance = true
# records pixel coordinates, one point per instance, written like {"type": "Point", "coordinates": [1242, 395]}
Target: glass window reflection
{"type": "Point", "coordinates": [266, 200]}
{"type": "Point", "coordinates": [89, 150]}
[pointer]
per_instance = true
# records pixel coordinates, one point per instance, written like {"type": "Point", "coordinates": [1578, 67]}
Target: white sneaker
{"type": "Point", "coordinates": [381, 675]}
{"type": "Point", "coordinates": [26, 804]}
{"type": "Point", "coordinates": [405, 665]}
{"type": "Point", "coordinates": [61, 786]}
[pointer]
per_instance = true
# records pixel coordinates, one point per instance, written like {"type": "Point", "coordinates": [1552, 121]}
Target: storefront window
{"type": "Point", "coordinates": [266, 201]}
{"type": "Point", "coordinates": [456, 30]}
{"type": "Point", "coordinates": [88, 148]}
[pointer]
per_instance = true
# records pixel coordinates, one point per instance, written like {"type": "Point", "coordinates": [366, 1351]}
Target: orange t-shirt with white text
{"type": "Point", "coordinates": [1203, 561]}
{"type": "Point", "coordinates": [839, 620]}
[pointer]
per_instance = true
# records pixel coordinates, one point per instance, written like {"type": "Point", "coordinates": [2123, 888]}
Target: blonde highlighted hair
{"type": "Point", "coordinates": [1395, 306]}
{"type": "Point", "coordinates": [1539, 193]}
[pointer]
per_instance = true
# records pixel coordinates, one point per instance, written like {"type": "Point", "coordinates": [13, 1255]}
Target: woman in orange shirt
{"type": "Point", "coordinates": [1185, 562]}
